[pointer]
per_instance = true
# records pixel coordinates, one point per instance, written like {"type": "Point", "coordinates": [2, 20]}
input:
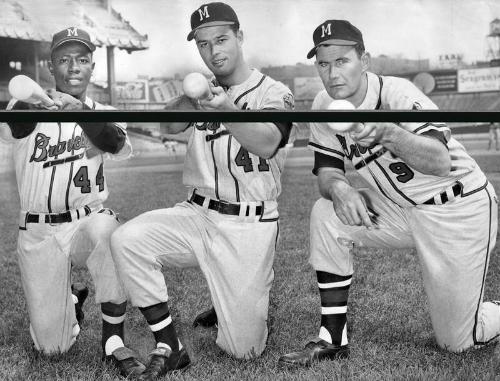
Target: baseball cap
{"type": "Point", "coordinates": [71, 34]}
{"type": "Point", "coordinates": [335, 32]}
{"type": "Point", "coordinates": [212, 14]}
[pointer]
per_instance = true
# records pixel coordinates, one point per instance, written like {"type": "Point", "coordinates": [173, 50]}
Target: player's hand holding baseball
{"type": "Point", "coordinates": [372, 133]}
{"type": "Point", "coordinates": [219, 101]}
{"type": "Point", "coordinates": [350, 205]}
{"type": "Point", "coordinates": [182, 102]}
{"type": "Point", "coordinates": [64, 101]}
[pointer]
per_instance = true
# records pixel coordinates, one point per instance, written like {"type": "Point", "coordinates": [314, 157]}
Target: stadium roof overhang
{"type": "Point", "coordinates": [36, 20]}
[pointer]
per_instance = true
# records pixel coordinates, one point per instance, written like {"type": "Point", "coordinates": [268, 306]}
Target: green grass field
{"type": "Point", "coordinates": [390, 332]}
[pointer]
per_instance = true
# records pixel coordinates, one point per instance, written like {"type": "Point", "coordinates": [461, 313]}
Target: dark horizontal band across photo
{"type": "Point", "coordinates": [249, 116]}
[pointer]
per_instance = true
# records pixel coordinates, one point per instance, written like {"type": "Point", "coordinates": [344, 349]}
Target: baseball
{"type": "Point", "coordinates": [195, 86]}
{"type": "Point", "coordinates": [341, 104]}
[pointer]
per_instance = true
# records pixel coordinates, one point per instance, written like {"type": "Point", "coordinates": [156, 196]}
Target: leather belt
{"type": "Point", "coordinates": [224, 207]}
{"type": "Point", "coordinates": [442, 198]}
{"type": "Point", "coordinates": [57, 218]}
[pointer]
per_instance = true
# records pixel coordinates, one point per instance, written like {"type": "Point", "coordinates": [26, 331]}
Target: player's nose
{"type": "Point", "coordinates": [74, 67]}
{"type": "Point", "coordinates": [334, 72]}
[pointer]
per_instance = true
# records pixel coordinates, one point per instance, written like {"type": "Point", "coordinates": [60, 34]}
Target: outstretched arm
{"type": "Point", "coordinates": [261, 139]}
{"type": "Point", "coordinates": [426, 154]}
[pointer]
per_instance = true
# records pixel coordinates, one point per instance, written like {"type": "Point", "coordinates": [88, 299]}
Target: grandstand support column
{"type": "Point", "coordinates": [111, 73]}
{"type": "Point", "coordinates": [36, 61]}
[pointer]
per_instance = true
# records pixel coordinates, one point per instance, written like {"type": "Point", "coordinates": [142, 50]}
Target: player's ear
{"type": "Point", "coordinates": [365, 61]}
{"type": "Point", "coordinates": [50, 67]}
{"type": "Point", "coordinates": [239, 36]}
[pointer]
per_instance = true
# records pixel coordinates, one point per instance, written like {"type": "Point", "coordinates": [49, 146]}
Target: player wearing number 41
{"type": "Point", "coordinates": [59, 171]}
{"type": "Point", "coordinates": [426, 193]}
{"type": "Point", "coordinates": [229, 224]}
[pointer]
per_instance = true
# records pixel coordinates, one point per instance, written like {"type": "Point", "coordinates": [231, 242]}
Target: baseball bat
{"type": "Point", "coordinates": [26, 90]}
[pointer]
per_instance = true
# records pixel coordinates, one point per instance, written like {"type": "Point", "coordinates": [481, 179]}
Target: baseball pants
{"type": "Point", "coordinates": [453, 243]}
{"type": "Point", "coordinates": [235, 254]}
{"type": "Point", "coordinates": [46, 253]}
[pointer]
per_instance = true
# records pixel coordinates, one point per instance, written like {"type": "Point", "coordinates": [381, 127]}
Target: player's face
{"type": "Point", "coordinates": [72, 68]}
{"type": "Point", "coordinates": [220, 49]}
{"type": "Point", "coordinates": [342, 72]}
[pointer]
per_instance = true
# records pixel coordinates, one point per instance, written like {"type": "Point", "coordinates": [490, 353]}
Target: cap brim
{"type": "Point", "coordinates": [89, 45]}
{"type": "Point", "coordinates": [333, 41]}
{"type": "Point", "coordinates": [206, 25]}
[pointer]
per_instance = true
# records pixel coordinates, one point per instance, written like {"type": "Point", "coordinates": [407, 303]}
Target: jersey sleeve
{"type": "Point", "coordinates": [324, 142]}
{"type": "Point", "coordinates": [126, 151]}
{"type": "Point", "coordinates": [404, 95]}
{"type": "Point", "coordinates": [279, 97]}
{"type": "Point", "coordinates": [12, 131]}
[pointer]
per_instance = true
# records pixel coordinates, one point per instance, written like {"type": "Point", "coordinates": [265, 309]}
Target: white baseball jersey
{"type": "Point", "coordinates": [390, 175]}
{"type": "Point", "coordinates": [219, 167]}
{"type": "Point", "coordinates": [58, 169]}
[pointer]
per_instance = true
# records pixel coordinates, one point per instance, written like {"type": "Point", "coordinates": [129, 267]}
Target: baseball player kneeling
{"type": "Point", "coordinates": [229, 224]}
{"type": "Point", "coordinates": [59, 171]}
{"type": "Point", "coordinates": [426, 193]}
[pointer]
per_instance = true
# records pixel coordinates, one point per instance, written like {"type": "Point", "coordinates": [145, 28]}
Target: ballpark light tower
{"type": "Point", "coordinates": [493, 43]}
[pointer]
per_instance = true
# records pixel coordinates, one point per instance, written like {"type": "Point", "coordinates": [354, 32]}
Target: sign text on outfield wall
{"type": "Point", "coordinates": [477, 80]}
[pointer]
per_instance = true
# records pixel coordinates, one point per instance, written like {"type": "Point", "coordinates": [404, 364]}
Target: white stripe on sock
{"type": "Point", "coordinates": [162, 324]}
{"type": "Point", "coordinates": [113, 319]}
{"type": "Point", "coordinates": [112, 344]}
{"type": "Point", "coordinates": [75, 299]}
{"type": "Point", "coordinates": [333, 310]}
{"type": "Point", "coordinates": [335, 284]}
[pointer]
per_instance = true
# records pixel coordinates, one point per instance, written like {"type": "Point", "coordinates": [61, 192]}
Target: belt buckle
{"type": "Point", "coordinates": [49, 217]}
{"type": "Point", "coordinates": [221, 206]}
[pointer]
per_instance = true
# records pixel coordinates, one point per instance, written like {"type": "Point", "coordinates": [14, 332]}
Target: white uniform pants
{"type": "Point", "coordinates": [235, 254]}
{"type": "Point", "coordinates": [453, 243]}
{"type": "Point", "coordinates": [46, 253]}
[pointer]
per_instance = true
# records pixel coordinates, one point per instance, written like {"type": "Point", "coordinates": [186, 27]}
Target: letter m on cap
{"type": "Point", "coordinates": [72, 32]}
{"type": "Point", "coordinates": [326, 29]}
{"type": "Point", "coordinates": [203, 12]}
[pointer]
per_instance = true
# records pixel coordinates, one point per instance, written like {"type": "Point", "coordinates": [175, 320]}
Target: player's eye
{"type": "Point", "coordinates": [63, 60]}
{"type": "Point", "coordinates": [84, 60]}
{"type": "Point", "coordinates": [323, 65]}
{"type": "Point", "coordinates": [202, 44]}
{"type": "Point", "coordinates": [221, 40]}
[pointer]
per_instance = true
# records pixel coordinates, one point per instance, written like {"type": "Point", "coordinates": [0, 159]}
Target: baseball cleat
{"type": "Point", "coordinates": [125, 360]}
{"type": "Point", "coordinates": [163, 360]}
{"type": "Point", "coordinates": [81, 292]}
{"type": "Point", "coordinates": [206, 319]}
{"type": "Point", "coordinates": [314, 351]}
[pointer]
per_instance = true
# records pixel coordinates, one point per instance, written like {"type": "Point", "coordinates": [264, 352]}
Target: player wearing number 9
{"type": "Point", "coordinates": [61, 183]}
{"type": "Point", "coordinates": [426, 193]}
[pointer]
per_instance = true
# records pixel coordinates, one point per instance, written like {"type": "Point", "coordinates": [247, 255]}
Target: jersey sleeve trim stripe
{"type": "Point", "coordinates": [429, 126]}
{"type": "Point", "coordinates": [326, 150]}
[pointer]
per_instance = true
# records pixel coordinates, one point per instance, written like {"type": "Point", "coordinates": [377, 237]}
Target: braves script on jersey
{"type": "Point", "coordinates": [219, 167]}
{"type": "Point", "coordinates": [396, 180]}
{"type": "Point", "coordinates": [58, 169]}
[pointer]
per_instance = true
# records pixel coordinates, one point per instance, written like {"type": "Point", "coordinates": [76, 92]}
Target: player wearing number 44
{"type": "Point", "coordinates": [426, 193]}
{"type": "Point", "coordinates": [229, 225]}
{"type": "Point", "coordinates": [59, 171]}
